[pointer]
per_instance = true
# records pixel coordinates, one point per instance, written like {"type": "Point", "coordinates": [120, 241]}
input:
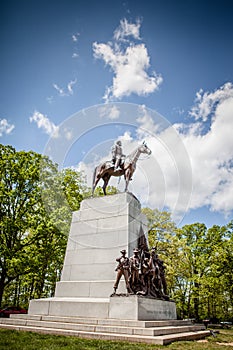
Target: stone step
{"type": "Point", "coordinates": [152, 331]}
{"type": "Point", "coordinates": [162, 339]}
{"type": "Point", "coordinates": [108, 321]}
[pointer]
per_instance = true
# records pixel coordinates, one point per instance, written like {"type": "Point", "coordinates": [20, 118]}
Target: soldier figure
{"type": "Point", "coordinates": [135, 265]}
{"type": "Point", "coordinates": [122, 269]}
{"type": "Point", "coordinates": [162, 275]}
{"type": "Point", "coordinates": [117, 155]}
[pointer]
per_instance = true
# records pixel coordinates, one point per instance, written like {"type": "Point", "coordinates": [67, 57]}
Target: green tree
{"type": "Point", "coordinates": [19, 197]}
{"type": "Point", "coordinates": [207, 256]}
{"type": "Point", "coordinates": [228, 263]}
{"type": "Point", "coordinates": [160, 226]}
{"type": "Point", "coordinates": [194, 235]}
{"type": "Point", "coordinates": [216, 284]}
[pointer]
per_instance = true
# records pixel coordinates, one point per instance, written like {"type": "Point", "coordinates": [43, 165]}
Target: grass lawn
{"type": "Point", "coordinates": [15, 340]}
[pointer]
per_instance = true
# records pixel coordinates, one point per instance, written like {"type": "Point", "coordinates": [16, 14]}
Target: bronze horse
{"type": "Point", "coordinates": [106, 170]}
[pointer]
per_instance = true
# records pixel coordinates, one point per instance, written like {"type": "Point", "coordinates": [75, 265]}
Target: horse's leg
{"type": "Point", "coordinates": [96, 182]}
{"type": "Point", "coordinates": [96, 177]}
{"type": "Point", "coordinates": [127, 178]}
{"type": "Point", "coordinates": [106, 179]}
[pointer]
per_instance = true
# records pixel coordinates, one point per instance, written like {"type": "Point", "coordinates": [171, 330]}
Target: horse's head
{"type": "Point", "coordinates": [144, 148]}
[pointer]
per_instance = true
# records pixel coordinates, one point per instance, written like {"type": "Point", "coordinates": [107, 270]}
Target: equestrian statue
{"type": "Point", "coordinates": [119, 165]}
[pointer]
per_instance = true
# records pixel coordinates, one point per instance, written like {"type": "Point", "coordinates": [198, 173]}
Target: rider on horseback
{"type": "Point", "coordinates": [127, 166]}
{"type": "Point", "coordinates": [117, 155]}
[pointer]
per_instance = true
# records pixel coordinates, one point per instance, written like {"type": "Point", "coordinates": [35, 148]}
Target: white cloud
{"type": "Point", "coordinates": [68, 91]}
{"type": "Point", "coordinates": [75, 37]}
{"type": "Point", "coordinates": [68, 134]}
{"type": "Point", "coordinates": [75, 55]}
{"type": "Point", "coordinates": [70, 86]}
{"type": "Point", "coordinates": [59, 90]}
{"type": "Point", "coordinates": [146, 121]}
{"type": "Point", "coordinates": [53, 130]}
{"type": "Point", "coordinates": [211, 153]}
{"type": "Point", "coordinates": [129, 67]}
{"type": "Point", "coordinates": [109, 112]}
{"type": "Point", "coordinates": [127, 29]}
{"type": "Point", "coordinates": [129, 64]}
{"type": "Point", "coordinates": [165, 178]}
{"type": "Point", "coordinates": [206, 102]}
{"type": "Point", "coordinates": [45, 124]}
{"type": "Point", "coordinates": [5, 127]}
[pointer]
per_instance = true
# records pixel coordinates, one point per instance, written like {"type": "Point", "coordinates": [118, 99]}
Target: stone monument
{"type": "Point", "coordinates": [99, 230]}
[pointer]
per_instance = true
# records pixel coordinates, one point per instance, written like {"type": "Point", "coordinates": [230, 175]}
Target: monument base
{"type": "Point", "coordinates": [131, 307]}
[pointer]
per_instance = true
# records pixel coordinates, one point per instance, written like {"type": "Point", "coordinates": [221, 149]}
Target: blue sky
{"type": "Point", "coordinates": [173, 57]}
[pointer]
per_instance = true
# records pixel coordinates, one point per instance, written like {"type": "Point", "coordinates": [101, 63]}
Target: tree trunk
{"type": "Point", "coordinates": [196, 301]}
{"type": "Point", "coordinates": [31, 288]}
{"type": "Point", "coordinates": [41, 282]}
{"type": "Point", "coordinates": [189, 303]}
{"type": "Point", "coordinates": [16, 291]}
{"type": "Point", "coordinates": [2, 285]}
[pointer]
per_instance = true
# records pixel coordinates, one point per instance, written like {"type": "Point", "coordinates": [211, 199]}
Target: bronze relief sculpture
{"type": "Point", "coordinates": [144, 274]}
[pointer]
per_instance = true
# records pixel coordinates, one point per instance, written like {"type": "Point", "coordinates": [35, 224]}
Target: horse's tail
{"type": "Point", "coordinates": [94, 181]}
